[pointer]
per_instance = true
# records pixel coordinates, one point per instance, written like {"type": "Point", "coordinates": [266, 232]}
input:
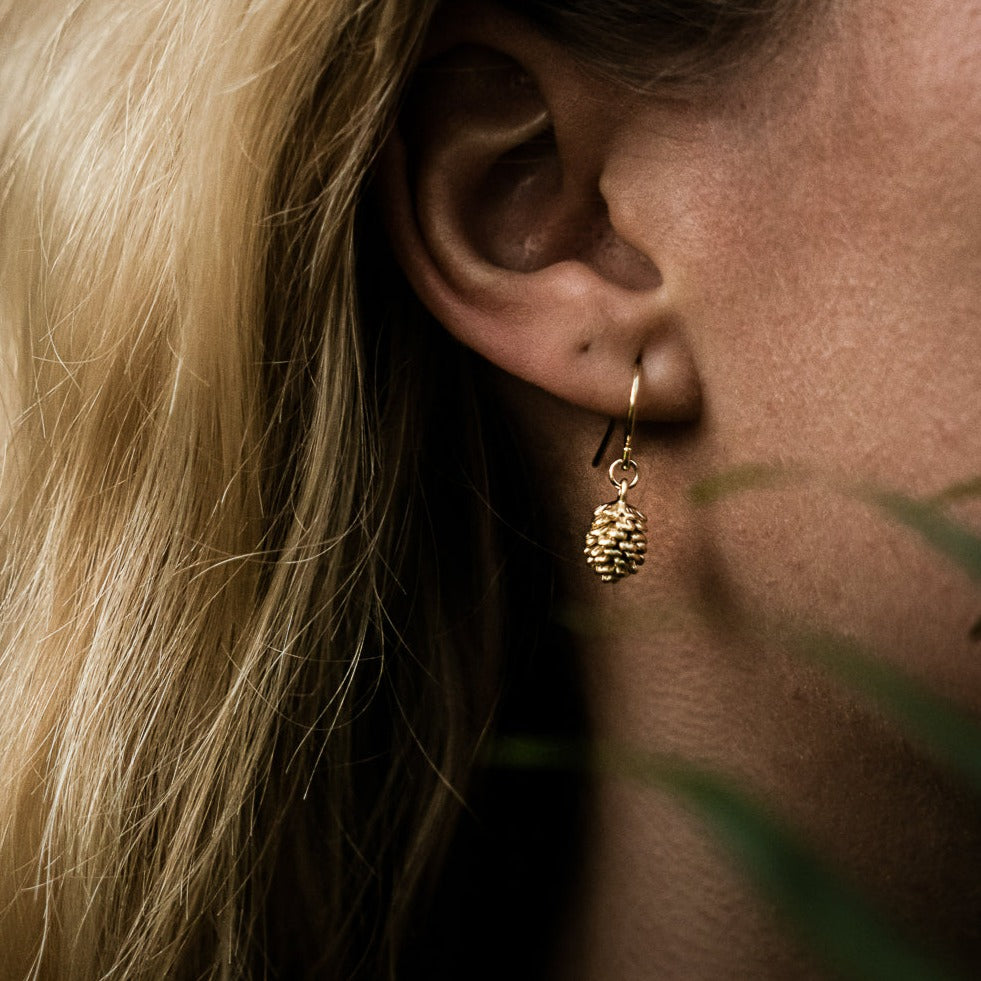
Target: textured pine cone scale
{"type": "Point", "coordinates": [616, 541]}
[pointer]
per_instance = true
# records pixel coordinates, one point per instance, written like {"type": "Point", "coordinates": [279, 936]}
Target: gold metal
{"type": "Point", "coordinates": [617, 539]}
{"type": "Point", "coordinates": [628, 435]}
{"type": "Point", "coordinates": [626, 466]}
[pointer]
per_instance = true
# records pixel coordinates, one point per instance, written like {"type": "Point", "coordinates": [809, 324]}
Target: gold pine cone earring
{"type": "Point", "coordinates": [617, 539]}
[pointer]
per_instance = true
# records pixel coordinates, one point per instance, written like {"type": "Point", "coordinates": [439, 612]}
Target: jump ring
{"type": "Point", "coordinates": [630, 466]}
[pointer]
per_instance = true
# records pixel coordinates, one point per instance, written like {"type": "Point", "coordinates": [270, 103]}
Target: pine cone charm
{"type": "Point", "coordinates": [616, 541]}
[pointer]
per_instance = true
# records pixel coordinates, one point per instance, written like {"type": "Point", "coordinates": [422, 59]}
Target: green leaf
{"type": "Point", "coordinates": [926, 517]}
{"type": "Point", "coordinates": [941, 727]}
{"type": "Point", "coordinates": [832, 917]}
{"type": "Point", "coordinates": [963, 490]}
{"type": "Point", "coordinates": [747, 476]}
{"type": "Point", "coordinates": [842, 928]}
{"type": "Point", "coordinates": [946, 535]}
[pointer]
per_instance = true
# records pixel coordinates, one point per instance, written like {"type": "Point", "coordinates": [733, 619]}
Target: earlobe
{"type": "Point", "coordinates": [490, 187]}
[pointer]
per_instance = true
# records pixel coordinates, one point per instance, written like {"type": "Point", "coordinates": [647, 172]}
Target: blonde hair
{"type": "Point", "coordinates": [211, 514]}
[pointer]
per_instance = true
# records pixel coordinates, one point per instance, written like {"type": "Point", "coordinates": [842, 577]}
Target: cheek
{"type": "Point", "coordinates": [854, 348]}
{"type": "Point", "coordinates": [827, 263]}
{"type": "Point", "coordinates": [807, 554]}
{"type": "Point", "coordinates": [840, 340]}
{"type": "Point", "coordinates": [825, 258]}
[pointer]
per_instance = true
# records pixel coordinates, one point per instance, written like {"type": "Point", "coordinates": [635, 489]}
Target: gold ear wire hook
{"type": "Point", "coordinates": [628, 432]}
{"type": "Point", "coordinates": [628, 429]}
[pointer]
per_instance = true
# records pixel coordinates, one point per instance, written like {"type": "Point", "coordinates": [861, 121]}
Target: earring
{"type": "Point", "coordinates": [616, 541]}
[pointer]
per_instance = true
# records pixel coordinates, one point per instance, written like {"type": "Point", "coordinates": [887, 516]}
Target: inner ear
{"type": "Point", "coordinates": [515, 218]}
{"type": "Point", "coordinates": [484, 156]}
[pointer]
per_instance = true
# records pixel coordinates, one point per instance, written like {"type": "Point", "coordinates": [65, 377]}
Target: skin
{"type": "Point", "coordinates": [810, 233]}
{"type": "Point", "coordinates": [853, 351]}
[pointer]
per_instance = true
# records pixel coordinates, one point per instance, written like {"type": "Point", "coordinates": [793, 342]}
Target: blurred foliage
{"type": "Point", "coordinates": [963, 490]}
{"type": "Point", "coordinates": [928, 517]}
{"type": "Point", "coordinates": [842, 928]}
{"type": "Point", "coordinates": [930, 522]}
{"type": "Point", "coordinates": [746, 476]}
{"type": "Point", "coordinates": [941, 728]}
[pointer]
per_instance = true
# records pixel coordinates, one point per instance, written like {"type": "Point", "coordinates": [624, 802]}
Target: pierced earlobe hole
{"type": "Point", "coordinates": [584, 347]}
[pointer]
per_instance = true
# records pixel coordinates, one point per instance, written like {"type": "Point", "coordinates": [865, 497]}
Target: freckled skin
{"type": "Point", "coordinates": [817, 231]}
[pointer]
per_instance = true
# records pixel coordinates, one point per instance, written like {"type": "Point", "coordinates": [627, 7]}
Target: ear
{"type": "Point", "coordinates": [494, 192]}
